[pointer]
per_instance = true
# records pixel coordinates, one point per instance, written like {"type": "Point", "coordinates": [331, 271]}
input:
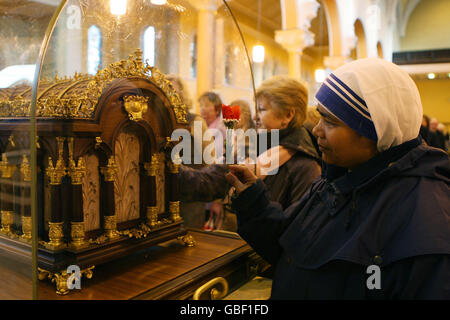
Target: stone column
{"type": "Point", "coordinates": [205, 44]}
{"type": "Point", "coordinates": [334, 62]}
{"type": "Point", "coordinates": [294, 41]}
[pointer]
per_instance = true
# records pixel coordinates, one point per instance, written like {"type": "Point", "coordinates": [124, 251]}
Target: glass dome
{"type": "Point", "coordinates": [88, 99]}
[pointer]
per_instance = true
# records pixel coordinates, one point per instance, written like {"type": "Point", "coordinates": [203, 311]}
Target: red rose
{"type": "Point", "coordinates": [227, 112]}
{"type": "Point", "coordinates": [236, 112]}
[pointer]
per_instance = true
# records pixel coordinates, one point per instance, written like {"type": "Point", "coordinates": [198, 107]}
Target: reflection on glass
{"type": "Point", "coordinates": [94, 46]}
{"type": "Point", "coordinates": [149, 46]}
{"type": "Point", "coordinates": [118, 7]}
{"type": "Point", "coordinates": [193, 55]}
{"type": "Point", "coordinates": [87, 68]}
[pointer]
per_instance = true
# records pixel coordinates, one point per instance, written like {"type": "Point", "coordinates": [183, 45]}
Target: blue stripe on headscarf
{"type": "Point", "coordinates": [346, 113]}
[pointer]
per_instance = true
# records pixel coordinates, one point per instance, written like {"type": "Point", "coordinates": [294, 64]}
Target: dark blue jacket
{"type": "Point", "coordinates": [393, 211]}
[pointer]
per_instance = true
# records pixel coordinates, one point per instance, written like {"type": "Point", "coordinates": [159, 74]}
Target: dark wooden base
{"type": "Point", "coordinates": [92, 255]}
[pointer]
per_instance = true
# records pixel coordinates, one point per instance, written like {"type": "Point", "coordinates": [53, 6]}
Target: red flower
{"type": "Point", "coordinates": [231, 112]}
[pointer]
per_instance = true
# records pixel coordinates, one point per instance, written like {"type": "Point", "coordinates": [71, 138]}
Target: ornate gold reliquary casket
{"type": "Point", "coordinates": [105, 186]}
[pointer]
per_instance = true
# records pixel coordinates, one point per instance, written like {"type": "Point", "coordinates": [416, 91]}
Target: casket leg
{"type": "Point", "coordinates": [188, 240]}
{"type": "Point", "coordinates": [65, 281]}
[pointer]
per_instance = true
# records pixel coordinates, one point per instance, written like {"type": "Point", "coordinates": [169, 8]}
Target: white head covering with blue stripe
{"type": "Point", "coordinates": [375, 98]}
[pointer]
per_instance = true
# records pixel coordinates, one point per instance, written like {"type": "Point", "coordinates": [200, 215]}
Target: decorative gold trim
{"type": "Point", "coordinates": [152, 167]}
{"type": "Point", "coordinates": [11, 141]}
{"type": "Point", "coordinates": [110, 170]}
{"type": "Point", "coordinates": [56, 235]}
{"type": "Point", "coordinates": [188, 240]}
{"type": "Point", "coordinates": [56, 173]}
{"type": "Point", "coordinates": [7, 222]}
{"type": "Point", "coordinates": [214, 293]}
{"type": "Point", "coordinates": [82, 106]}
{"type": "Point", "coordinates": [25, 169]}
{"type": "Point", "coordinates": [152, 216]}
{"type": "Point", "coordinates": [140, 232]}
{"type": "Point", "coordinates": [110, 225]}
{"type": "Point", "coordinates": [76, 172]}
{"type": "Point", "coordinates": [98, 142]}
{"type": "Point", "coordinates": [6, 168]}
{"type": "Point", "coordinates": [136, 106]}
{"type": "Point", "coordinates": [60, 278]}
{"type": "Point", "coordinates": [77, 235]}
{"type": "Point", "coordinates": [174, 209]}
{"type": "Point", "coordinates": [26, 228]}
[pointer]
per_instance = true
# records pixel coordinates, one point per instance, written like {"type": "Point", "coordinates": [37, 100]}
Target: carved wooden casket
{"type": "Point", "coordinates": [104, 185]}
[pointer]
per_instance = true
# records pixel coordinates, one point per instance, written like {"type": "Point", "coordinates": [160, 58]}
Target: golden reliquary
{"type": "Point", "coordinates": [105, 186]}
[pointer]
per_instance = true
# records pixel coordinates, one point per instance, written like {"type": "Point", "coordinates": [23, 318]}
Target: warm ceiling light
{"type": "Point", "coordinates": [431, 76]}
{"type": "Point", "coordinates": [449, 74]}
{"type": "Point", "coordinates": [258, 53]}
{"type": "Point", "coordinates": [320, 75]}
{"type": "Point", "coordinates": [159, 2]}
{"type": "Point", "coordinates": [118, 7]}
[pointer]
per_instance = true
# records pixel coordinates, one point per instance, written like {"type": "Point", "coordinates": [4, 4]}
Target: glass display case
{"type": "Point", "coordinates": [87, 111]}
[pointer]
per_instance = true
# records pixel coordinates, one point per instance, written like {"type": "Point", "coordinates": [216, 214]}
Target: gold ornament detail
{"type": "Point", "coordinates": [7, 222]}
{"type": "Point", "coordinates": [174, 209]}
{"type": "Point", "coordinates": [152, 216]}
{"type": "Point", "coordinates": [25, 169]}
{"type": "Point", "coordinates": [188, 240]}
{"type": "Point", "coordinates": [110, 226]}
{"type": "Point", "coordinates": [82, 106]}
{"type": "Point", "coordinates": [152, 167]}
{"type": "Point", "coordinates": [110, 170]}
{"type": "Point", "coordinates": [6, 168]}
{"type": "Point", "coordinates": [77, 235]}
{"type": "Point", "coordinates": [76, 172]}
{"type": "Point", "coordinates": [136, 106]}
{"type": "Point", "coordinates": [56, 173]}
{"type": "Point", "coordinates": [60, 278]}
{"type": "Point", "coordinates": [26, 228]}
{"type": "Point", "coordinates": [56, 235]}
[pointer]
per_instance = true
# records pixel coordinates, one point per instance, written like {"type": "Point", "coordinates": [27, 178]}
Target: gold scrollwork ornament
{"type": "Point", "coordinates": [136, 106]}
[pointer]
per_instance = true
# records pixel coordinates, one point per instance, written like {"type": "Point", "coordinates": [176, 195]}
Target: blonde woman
{"type": "Point", "coordinates": [282, 104]}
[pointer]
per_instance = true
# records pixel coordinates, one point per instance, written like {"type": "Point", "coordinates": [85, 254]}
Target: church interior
{"type": "Point", "coordinates": [87, 192]}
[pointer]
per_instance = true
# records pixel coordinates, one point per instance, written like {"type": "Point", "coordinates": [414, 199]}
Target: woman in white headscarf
{"type": "Point", "coordinates": [376, 225]}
